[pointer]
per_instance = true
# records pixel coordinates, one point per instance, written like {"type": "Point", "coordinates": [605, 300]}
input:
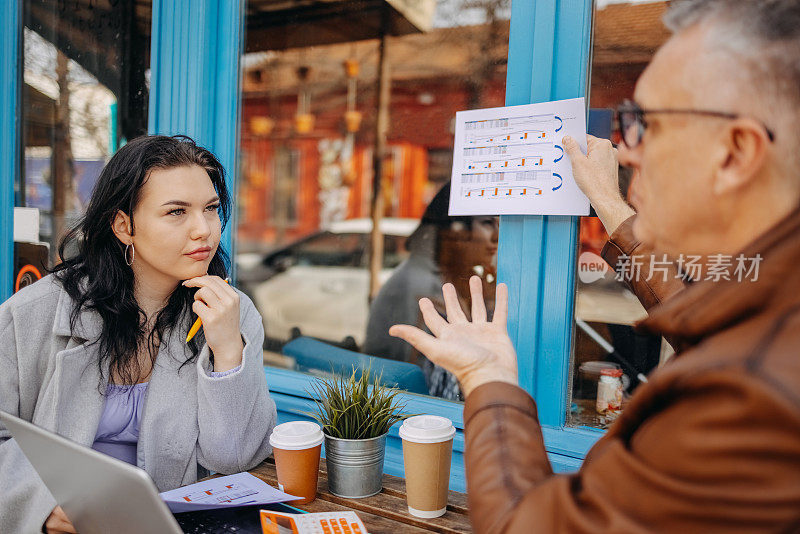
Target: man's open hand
{"type": "Point", "coordinates": [476, 352]}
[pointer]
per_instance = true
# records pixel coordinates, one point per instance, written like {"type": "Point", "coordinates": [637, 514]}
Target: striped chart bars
{"type": "Point", "coordinates": [515, 153]}
{"type": "Point", "coordinates": [505, 191]}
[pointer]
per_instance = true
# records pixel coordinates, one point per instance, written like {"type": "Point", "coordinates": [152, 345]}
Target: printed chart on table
{"type": "Point", "coordinates": [232, 490]}
{"type": "Point", "coordinates": [509, 161]}
{"type": "Point", "coordinates": [226, 494]}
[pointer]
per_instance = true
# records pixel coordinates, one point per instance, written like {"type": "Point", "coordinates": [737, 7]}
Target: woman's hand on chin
{"type": "Point", "coordinates": [217, 305]}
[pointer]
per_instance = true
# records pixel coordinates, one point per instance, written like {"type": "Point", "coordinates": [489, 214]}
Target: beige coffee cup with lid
{"type": "Point", "coordinates": [427, 450]}
{"type": "Point", "coordinates": [296, 446]}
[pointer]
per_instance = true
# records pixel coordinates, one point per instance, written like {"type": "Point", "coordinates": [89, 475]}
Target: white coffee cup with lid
{"type": "Point", "coordinates": [296, 446]}
{"type": "Point", "coordinates": [427, 429]}
{"type": "Point", "coordinates": [296, 435]}
{"type": "Point", "coordinates": [427, 451]}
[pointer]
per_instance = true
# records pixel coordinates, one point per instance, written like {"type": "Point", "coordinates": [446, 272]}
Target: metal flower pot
{"type": "Point", "coordinates": [355, 466]}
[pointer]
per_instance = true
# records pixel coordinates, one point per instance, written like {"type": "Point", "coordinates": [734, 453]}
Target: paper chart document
{"type": "Point", "coordinates": [241, 489]}
{"type": "Point", "coordinates": [509, 161]}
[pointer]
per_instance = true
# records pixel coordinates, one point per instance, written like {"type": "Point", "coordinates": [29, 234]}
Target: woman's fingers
{"type": "Point", "coordinates": [500, 317]}
{"type": "Point", "coordinates": [452, 306]}
{"type": "Point", "coordinates": [201, 309]}
{"type": "Point", "coordinates": [208, 296]}
{"type": "Point", "coordinates": [476, 295]}
{"type": "Point", "coordinates": [222, 288]}
{"type": "Point", "coordinates": [214, 283]}
{"type": "Point", "coordinates": [213, 290]}
{"type": "Point", "coordinates": [433, 320]}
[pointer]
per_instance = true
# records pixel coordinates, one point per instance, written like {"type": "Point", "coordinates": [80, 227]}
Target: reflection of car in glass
{"type": "Point", "coordinates": [319, 285]}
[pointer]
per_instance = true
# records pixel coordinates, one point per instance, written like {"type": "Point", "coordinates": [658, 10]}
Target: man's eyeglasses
{"type": "Point", "coordinates": [632, 121]}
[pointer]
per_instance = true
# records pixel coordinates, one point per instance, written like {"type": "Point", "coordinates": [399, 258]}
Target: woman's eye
{"type": "Point", "coordinates": [177, 211]}
{"type": "Point", "coordinates": [213, 207]}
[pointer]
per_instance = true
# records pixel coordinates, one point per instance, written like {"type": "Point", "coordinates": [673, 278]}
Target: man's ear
{"type": "Point", "coordinates": [122, 227]}
{"type": "Point", "coordinates": [746, 144]}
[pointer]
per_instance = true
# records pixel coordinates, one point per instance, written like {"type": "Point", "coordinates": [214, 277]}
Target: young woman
{"type": "Point", "coordinates": [97, 351]}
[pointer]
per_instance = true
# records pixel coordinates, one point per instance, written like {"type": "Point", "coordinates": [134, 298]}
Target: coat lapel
{"type": "Point", "coordinates": [169, 428]}
{"type": "Point", "coordinates": [77, 384]}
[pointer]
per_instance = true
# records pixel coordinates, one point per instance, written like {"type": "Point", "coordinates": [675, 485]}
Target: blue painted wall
{"type": "Point", "coordinates": [10, 115]}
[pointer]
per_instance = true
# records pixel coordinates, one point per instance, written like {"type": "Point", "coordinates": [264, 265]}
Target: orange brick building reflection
{"type": "Point", "coordinates": [291, 183]}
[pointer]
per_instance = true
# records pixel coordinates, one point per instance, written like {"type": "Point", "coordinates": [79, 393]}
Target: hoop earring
{"type": "Point", "coordinates": [133, 254]}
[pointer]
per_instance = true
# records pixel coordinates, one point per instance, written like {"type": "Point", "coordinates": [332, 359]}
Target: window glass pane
{"type": "Point", "coordinates": [310, 110]}
{"type": "Point", "coordinates": [626, 36]}
{"type": "Point", "coordinates": [85, 92]}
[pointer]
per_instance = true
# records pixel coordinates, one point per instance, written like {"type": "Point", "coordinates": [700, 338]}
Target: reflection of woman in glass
{"type": "Point", "coordinates": [97, 352]}
{"type": "Point", "coordinates": [443, 249]}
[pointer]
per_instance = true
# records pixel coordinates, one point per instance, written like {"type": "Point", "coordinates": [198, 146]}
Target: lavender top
{"type": "Point", "coordinates": [118, 432]}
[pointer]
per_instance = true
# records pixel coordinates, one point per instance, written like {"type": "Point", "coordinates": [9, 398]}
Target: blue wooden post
{"type": "Point", "coordinates": [10, 115]}
{"type": "Point", "coordinates": [194, 81]}
{"type": "Point", "coordinates": [549, 49]}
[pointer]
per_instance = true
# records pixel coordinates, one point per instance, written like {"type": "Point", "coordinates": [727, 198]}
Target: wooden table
{"type": "Point", "coordinates": [384, 513]}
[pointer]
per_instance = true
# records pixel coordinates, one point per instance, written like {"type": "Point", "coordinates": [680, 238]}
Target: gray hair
{"type": "Point", "coordinates": [763, 39]}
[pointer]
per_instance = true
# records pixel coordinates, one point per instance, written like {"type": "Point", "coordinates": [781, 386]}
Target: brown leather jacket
{"type": "Point", "coordinates": [710, 444]}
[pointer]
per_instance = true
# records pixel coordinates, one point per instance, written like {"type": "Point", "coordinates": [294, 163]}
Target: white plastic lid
{"type": "Point", "coordinates": [597, 366]}
{"type": "Point", "coordinates": [427, 429]}
{"type": "Point", "coordinates": [296, 435]}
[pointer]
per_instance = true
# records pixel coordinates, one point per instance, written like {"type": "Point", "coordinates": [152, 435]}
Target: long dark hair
{"type": "Point", "coordinates": [97, 276]}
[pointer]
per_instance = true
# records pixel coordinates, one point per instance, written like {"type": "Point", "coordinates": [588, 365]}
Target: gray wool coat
{"type": "Point", "coordinates": [191, 422]}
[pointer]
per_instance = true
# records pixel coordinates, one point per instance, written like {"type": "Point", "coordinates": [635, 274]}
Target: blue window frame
{"type": "Point", "coordinates": [196, 45]}
{"type": "Point", "coordinates": [549, 51]}
{"type": "Point", "coordinates": [10, 117]}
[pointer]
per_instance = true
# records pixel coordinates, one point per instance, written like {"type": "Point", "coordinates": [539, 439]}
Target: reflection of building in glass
{"type": "Point", "coordinates": [434, 74]}
{"type": "Point", "coordinates": [625, 38]}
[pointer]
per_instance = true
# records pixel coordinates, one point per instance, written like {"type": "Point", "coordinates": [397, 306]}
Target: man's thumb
{"type": "Point", "coordinates": [572, 148]}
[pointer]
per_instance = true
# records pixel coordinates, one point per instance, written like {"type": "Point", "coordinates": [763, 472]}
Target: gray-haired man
{"type": "Point", "coordinates": [712, 442]}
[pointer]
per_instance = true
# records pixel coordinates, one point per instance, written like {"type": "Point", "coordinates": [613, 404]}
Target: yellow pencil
{"type": "Point", "coordinates": [198, 323]}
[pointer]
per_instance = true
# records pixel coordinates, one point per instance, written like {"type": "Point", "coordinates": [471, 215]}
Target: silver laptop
{"type": "Point", "coordinates": [99, 494]}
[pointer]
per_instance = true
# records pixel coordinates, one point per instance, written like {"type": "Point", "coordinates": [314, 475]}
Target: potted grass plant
{"type": "Point", "coordinates": [355, 413]}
